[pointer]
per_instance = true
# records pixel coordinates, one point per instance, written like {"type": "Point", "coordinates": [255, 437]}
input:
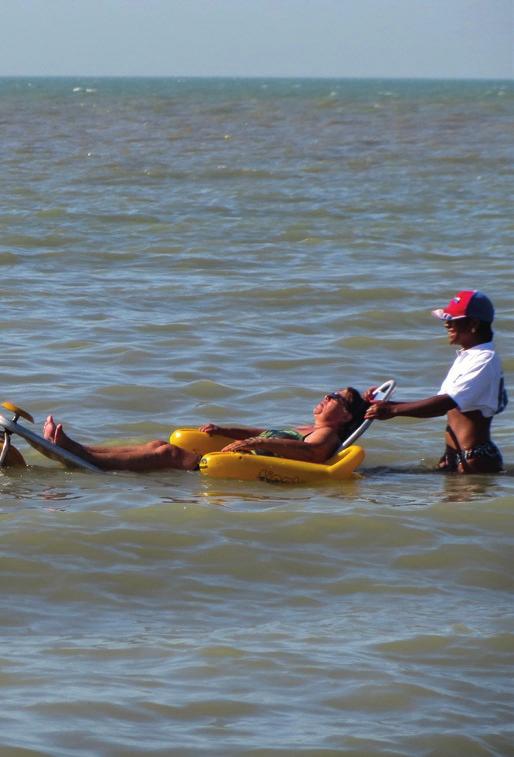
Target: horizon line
{"type": "Point", "coordinates": [261, 76]}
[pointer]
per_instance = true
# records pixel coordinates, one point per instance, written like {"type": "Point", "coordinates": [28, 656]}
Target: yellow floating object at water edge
{"type": "Point", "coordinates": [281, 470]}
{"type": "Point", "coordinates": [247, 467]}
{"type": "Point", "coordinates": [199, 442]}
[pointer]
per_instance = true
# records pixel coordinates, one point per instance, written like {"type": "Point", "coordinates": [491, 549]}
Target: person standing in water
{"type": "Point", "coordinates": [472, 393]}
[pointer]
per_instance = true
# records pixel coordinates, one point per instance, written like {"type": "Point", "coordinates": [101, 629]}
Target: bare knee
{"type": "Point", "coordinates": [171, 456]}
{"type": "Point", "coordinates": [156, 445]}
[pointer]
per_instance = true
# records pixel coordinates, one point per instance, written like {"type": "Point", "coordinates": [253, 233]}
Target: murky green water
{"type": "Point", "coordinates": [173, 252]}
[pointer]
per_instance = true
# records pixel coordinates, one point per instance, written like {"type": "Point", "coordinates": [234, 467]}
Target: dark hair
{"type": "Point", "coordinates": [357, 405]}
{"type": "Point", "coordinates": [485, 331]}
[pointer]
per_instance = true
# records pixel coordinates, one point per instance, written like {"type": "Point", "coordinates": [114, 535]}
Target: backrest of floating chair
{"type": "Point", "coordinates": [382, 392]}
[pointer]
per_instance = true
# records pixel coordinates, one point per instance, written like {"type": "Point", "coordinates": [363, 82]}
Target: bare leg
{"type": "Point", "coordinates": [155, 455]}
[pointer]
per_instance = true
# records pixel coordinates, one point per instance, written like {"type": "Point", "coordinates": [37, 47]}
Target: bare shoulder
{"type": "Point", "coordinates": [322, 435]}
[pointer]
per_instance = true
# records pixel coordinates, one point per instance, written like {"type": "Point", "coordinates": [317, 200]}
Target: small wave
{"type": "Point", "coordinates": [126, 218]}
{"type": "Point", "coordinates": [206, 389]}
{"type": "Point", "coordinates": [50, 241]}
{"type": "Point", "coordinates": [52, 213]}
{"type": "Point", "coordinates": [8, 258]}
{"type": "Point", "coordinates": [229, 172]}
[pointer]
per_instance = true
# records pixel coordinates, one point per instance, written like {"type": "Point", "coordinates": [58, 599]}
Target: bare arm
{"type": "Point", "coordinates": [431, 407]}
{"type": "Point", "coordinates": [317, 447]}
{"type": "Point", "coordinates": [234, 432]}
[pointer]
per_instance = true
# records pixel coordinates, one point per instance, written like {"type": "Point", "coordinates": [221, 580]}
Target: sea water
{"type": "Point", "coordinates": [174, 251]}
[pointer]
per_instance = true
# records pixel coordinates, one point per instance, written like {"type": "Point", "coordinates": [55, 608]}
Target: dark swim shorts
{"type": "Point", "coordinates": [452, 458]}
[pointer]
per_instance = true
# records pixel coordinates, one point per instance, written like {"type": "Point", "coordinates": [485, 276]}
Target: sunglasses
{"type": "Point", "coordinates": [455, 322]}
{"type": "Point", "coordinates": [338, 398]}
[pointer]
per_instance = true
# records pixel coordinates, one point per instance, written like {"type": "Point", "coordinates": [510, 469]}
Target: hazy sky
{"type": "Point", "coordinates": [384, 38]}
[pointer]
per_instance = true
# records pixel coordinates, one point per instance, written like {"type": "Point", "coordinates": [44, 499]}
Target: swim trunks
{"type": "Point", "coordinates": [487, 450]}
{"type": "Point", "coordinates": [452, 458]}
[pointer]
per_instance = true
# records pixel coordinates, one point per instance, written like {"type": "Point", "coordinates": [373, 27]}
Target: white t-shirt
{"type": "Point", "coordinates": [475, 381]}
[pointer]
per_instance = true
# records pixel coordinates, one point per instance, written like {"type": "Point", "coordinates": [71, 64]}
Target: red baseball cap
{"type": "Point", "coordinates": [470, 303]}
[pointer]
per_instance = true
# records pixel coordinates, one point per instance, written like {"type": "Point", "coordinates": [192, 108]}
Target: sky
{"type": "Point", "coordinates": [315, 38]}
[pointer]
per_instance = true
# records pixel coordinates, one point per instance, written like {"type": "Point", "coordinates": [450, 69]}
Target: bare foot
{"type": "Point", "coordinates": [49, 429]}
{"type": "Point", "coordinates": [54, 434]}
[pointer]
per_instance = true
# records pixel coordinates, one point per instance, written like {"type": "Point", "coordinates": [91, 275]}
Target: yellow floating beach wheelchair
{"type": "Point", "coordinates": [250, 467]}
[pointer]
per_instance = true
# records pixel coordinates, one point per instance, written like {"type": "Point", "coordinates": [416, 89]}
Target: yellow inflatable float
{"type": "Point", "coordinates": [279, 470]}
{"type": "Point", "coordinates": [250, 467]}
